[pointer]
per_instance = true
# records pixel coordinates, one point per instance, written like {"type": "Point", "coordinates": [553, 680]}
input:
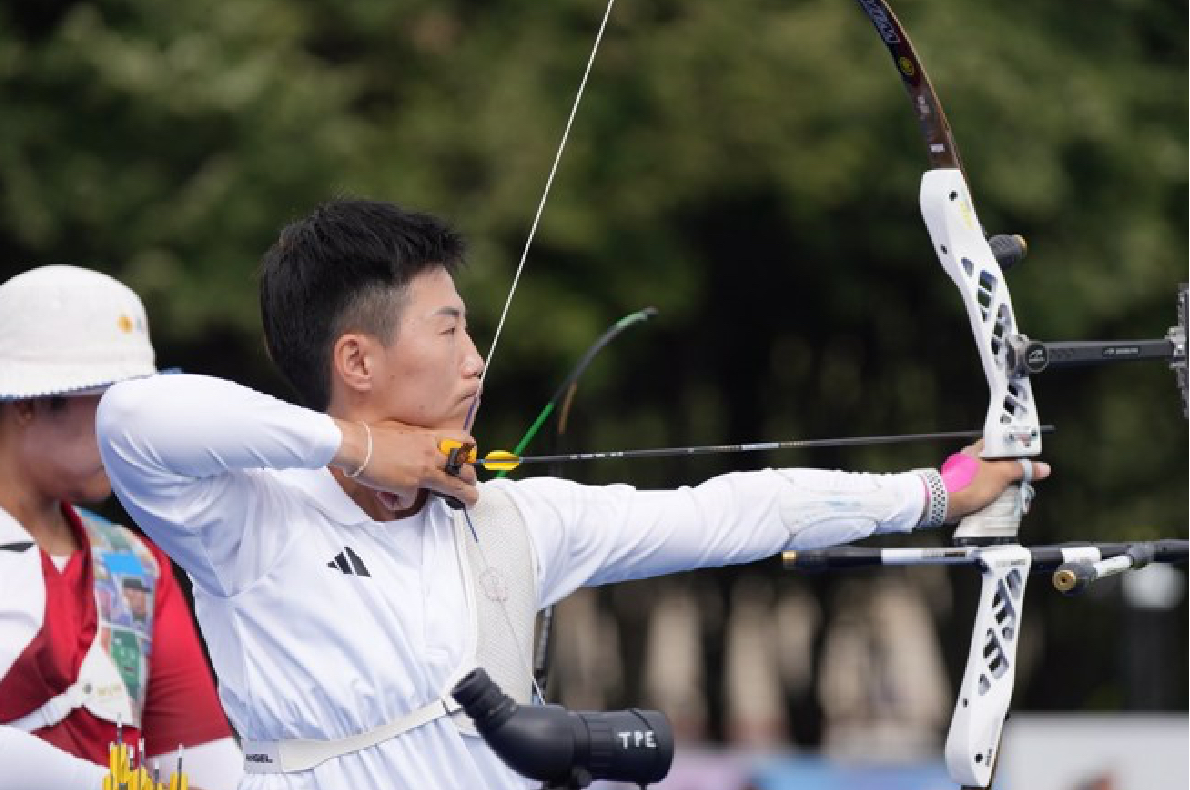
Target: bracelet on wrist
{"type": "Point", "coordinates": [934, 512]}
{"type": "Point", "coordinates": [367, 454]}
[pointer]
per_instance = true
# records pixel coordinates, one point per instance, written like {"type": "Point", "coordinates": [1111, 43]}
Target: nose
{"type": "Point", "coordinates": [473, 363]}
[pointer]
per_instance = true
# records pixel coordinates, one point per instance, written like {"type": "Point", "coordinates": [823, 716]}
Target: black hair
{"type": "Point", "coordinates": [345, 267]}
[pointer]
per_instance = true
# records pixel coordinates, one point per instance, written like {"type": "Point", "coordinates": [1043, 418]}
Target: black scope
{"type": "Point", "coordinates": [568, 749]}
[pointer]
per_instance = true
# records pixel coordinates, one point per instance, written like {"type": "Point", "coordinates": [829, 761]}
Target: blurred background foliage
{"type": "Point", "coordinates": [750, 168]}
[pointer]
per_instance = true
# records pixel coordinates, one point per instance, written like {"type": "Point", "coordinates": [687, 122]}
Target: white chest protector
{"type": "Point", "coordinates": [113, 680]}
{"type": "Point", "coordinates": [500, 574]}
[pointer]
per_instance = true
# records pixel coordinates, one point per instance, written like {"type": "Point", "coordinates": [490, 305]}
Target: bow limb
{"type": "Point", "coordinates": [1011, 427]}
{"type": "Point", "coordinates": [564, 395]}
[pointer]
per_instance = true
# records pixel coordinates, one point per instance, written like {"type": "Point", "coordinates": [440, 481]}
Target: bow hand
{"type": "Point", "coordinates": [988, 489]}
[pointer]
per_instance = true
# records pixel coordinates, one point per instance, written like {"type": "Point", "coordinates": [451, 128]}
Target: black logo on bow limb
{"type": "Point", "coordinates": [349, 563]}
{"type": "Point", "coordinates": [884, 26]}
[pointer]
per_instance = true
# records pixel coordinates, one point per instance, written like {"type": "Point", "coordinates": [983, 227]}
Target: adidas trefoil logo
{"type": "Point", "coordinates": [349, 562]}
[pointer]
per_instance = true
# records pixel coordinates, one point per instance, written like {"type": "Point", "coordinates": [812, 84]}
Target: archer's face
{"type": "Point", "coordinates": [59, 451]}
{"type": "Point", "coordinates": [429, 373]}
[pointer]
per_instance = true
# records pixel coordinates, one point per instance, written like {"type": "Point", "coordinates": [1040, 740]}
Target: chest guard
{"type": "Point", "coordinates": [500, 572]}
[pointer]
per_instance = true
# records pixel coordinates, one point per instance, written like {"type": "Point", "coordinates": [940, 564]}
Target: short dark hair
{"type": "Point", "coordinates": [345, 267]}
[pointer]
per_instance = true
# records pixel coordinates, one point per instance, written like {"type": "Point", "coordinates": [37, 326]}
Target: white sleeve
{"type": "Point", "coordinates": [588, 535]}
{"type": "Point", "coordinates": [29, 763]}
{"type": "Point", "coordinates": [215, 765]}
{"type": "Point", "coordinates": [188, 457]}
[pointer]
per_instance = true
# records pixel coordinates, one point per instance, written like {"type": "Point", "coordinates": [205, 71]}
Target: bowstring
{"type": "Point", "coordinates": [549, 182]}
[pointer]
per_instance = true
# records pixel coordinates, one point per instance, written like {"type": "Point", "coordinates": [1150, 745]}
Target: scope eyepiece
{"type": "Point", "coordinates": [565, 748]}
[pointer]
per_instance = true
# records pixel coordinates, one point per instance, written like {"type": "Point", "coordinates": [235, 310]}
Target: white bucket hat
{"type": "Point", "coordinates": [69, 331]}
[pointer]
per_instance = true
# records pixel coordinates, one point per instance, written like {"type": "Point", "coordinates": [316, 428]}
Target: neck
{"type": "Point", "coordinates": [21, 496]}
{"type": "Point", "coordinates": [41, 516]}
{"type": "Point", "coordinates": [370, 503]}
{"type": "Point", "coordinates": [342, 407]}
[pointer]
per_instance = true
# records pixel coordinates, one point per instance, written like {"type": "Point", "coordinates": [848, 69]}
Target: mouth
{"type": "Point", "coordinates": [470, 402]}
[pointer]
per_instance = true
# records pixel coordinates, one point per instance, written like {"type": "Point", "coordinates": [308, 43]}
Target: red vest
{"type": "Point", "coordinates": [89, 636]}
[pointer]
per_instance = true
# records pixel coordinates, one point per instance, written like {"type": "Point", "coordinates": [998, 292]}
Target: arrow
{"type": "Point", "coordinates": [503, 461]}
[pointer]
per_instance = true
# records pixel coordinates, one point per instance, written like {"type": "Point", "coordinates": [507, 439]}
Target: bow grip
{"type": "Point", "coordinates": [999, 522]}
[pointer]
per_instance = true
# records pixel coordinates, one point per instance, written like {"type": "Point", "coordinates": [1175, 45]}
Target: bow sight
{"type": "Point", "coordinates": [1027, 357]}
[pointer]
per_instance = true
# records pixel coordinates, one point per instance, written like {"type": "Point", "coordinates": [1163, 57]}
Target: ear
{"type": "Point", "coordinates": [354, 361]}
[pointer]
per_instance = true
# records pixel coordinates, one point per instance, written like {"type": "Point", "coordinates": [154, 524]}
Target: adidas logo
{"type": "Point", "coordinates": [349, 562]}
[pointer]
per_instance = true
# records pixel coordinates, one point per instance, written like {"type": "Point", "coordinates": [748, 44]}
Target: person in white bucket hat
{"type": "Point", "coordinates": [95, 634]}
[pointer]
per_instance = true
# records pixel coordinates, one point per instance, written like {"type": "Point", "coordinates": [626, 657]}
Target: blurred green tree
{"type": "Point", "coordinates": [750, 168]}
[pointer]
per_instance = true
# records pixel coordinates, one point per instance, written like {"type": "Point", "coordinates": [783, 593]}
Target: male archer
{"type": "Point", "coordinates": [339, 600]}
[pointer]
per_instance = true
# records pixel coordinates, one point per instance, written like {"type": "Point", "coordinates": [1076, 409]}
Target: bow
{"type": "Point", "coordinates": [988, 539]}
{"type": "Point", "coordinates": [1011, 428]}
{"type": "Point", "coordinates": [562, 399]}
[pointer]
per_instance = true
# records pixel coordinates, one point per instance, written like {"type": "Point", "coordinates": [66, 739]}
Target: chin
{"type": "Point", "coordinates": [449, 423]}
{"type": "Point", "coordinates": [92, 492]}
{"type": "Point", "coordinates": [90, 497]}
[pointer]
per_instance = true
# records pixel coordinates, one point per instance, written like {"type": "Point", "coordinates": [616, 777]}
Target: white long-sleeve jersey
{"type": "Point", "coordinates": [233, 485]}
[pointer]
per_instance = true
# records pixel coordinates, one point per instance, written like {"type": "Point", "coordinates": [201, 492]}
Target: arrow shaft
{"type": "Point", "coordinates": [751, 447]}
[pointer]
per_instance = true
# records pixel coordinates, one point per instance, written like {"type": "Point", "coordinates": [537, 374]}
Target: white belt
{"type": "Point", "coordinates": [297, 754]}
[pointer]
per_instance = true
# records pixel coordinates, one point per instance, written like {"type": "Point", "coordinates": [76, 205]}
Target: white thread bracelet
{"type": "Point", "coordinates": [367, 454]}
